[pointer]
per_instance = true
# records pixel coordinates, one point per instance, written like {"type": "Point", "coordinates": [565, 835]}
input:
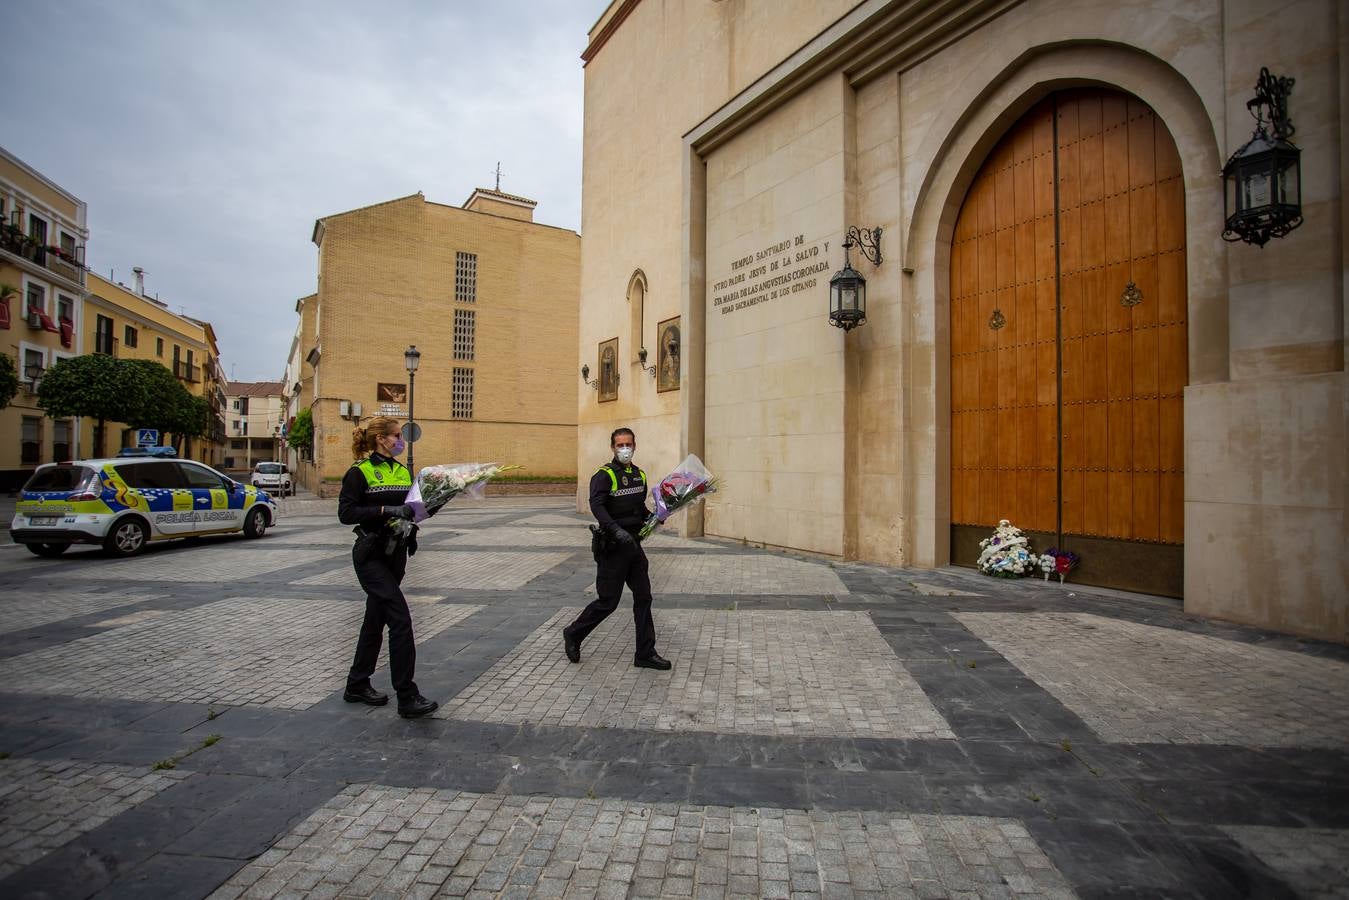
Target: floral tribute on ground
{"type": "Point", "coordinates": [1006, 553]}
{"type": "Point", "coordinates": [437, 485]}
{"type": "Point", "coordinates": [1056, 560]}
{"type": "Point", "coordinates": [687, 484]}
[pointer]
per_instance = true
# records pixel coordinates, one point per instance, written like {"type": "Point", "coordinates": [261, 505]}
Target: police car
{"type": "Point", "coordinates": [126, 502]}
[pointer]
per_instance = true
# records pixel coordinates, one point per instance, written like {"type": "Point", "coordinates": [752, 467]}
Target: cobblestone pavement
{"type": "Point", "coordinates": [1143, 684]}
{"type": "Point", "coordinates": [47, 803]}
{"type": "Point", "coordinates": [786, 673]}
{"type": "Point", "coordinates": [173, 725]}
{"type": "Point", "coordinates": [425, 843]}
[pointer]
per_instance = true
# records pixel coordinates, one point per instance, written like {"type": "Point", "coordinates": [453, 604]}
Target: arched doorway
{"type": "Point", "coordinates": [1068, 342]}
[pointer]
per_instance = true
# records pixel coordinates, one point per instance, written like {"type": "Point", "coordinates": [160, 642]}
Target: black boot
{"type": "Point", "coordinates": [364, 694]}
{"type": "Point", "coordinates": [654, 661]}
{"type": "Point", "coordinates": [416, 707]}
{"type": "Point", "coordinates": [571, 646]}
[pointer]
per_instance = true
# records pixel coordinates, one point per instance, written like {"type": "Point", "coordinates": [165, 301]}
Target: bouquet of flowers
{"type": "Point", "coordinates": [688, 483]}
{"type": "Point", "coordinates": [437, 485]}
{"type": "Point", "coordinates": [1006, 553]}
{"type": "Point", "coordinates": [1060, 561]}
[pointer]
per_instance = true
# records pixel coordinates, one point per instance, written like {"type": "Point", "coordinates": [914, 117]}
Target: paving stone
{"type": "Point", "coordinates": [461, 570]}
{"type": "Point", "coordinates": [1314, 861]}
{"type": "Point", "coordinates": [502, 829]}
{"type": "Point", "coordinates": [232, 561]}
{"type": "Point", "coordinates": [45, 804]}
{"type": "Point", "coordinates": [1136, 683]}
{"type": "Point", "coordinates": [723, 573]}
{"type": "Point", "coordinates": [788, 672]}
{"type": "Point", "coordinates": [249, 651]}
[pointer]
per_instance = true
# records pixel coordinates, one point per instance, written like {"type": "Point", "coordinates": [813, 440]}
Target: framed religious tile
{"type": "Point", "coordinates": [386, 392]}
{"type": "Point", "coordinates": [667, 362]}
{"type": "Point", "coordinates": [608, 370]}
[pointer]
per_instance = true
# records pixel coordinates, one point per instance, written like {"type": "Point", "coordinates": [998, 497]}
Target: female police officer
{"type": "Point", "coordinates": [373, 491]}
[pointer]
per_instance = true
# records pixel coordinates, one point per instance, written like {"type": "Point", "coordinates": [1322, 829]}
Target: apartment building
{"type": "Point", "coordinates": [125, 322]}
{"type": "Point", "coordinates": [254, 417]}
{"type": "Point", "coordinates": [43, 233]}
{"type": "Point", "coordinates": [488, 297]}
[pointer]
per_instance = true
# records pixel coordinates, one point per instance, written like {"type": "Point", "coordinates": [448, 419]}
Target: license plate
{"type": "Point", "coordinates": [43, 521]}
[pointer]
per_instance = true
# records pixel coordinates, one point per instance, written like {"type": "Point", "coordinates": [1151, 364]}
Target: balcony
{"type": "Point", "coordinates": [186, 371]}
{"type": "Point", "coordinates": [68, 265]}
{"type": "Point", "coordinates": [105, 343]}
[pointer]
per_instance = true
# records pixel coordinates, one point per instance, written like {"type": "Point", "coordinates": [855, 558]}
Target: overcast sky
{"type": "Point", "coordinates": [206, 137]}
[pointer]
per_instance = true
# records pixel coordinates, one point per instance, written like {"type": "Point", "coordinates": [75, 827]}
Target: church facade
{"type": "Point", "coordinates": [1056, 332]}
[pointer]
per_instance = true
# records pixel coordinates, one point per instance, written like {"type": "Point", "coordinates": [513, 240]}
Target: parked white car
{"type": "Point", "coordinates": [273, 477]}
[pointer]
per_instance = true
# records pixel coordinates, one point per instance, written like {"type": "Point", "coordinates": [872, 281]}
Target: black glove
{"type": "Point", "coordinates": [399, 512]}
{"type": "Point", "coordinates": [620, 536]}
{"type": "Point", "coordinates": [412, 545]}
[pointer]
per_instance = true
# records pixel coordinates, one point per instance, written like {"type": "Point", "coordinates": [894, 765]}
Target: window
{"type": "Point", "coordinates": [234, 404]}
{"type": "Point", "coordinates": [37, 229]}
{"type": "Point", "coordinates": [68, 245]}
{"type": "Point", "coordinates": [160, 475]}
{"type": "Point", "coordinates": [464, 327]}
{"type": "Point", "coordinates": [30, 446]}
{"type": "Point", "coordinates": [61, 432]}
{"type": "Point", "coordinates": [237, 445]}
{"type": "Point", "coordinates": [103, 335]}
{"type": "Point", "coordinates": [130, 336]}
{"type": "Point", "coordinates": [37, 297]}
{"type": "Point", "coordinates": [465, 277]}
{"type": "Point", "coordinates": [461, 394]}
{"type": "Point", "coordinates": [34, 363]}
{"type": "Point", "coordinates": [159, 347]}
{"type": "Point", "coordinates": [198, 477]}
{"type": "Point", "coordinates": [245, 428]}
{"type": "Point", "coordinates": [236, 427]}
{"type": "Point", "coordinates": [65, 308]}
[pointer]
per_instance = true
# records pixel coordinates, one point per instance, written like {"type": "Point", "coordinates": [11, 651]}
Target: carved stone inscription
{"type": "Point", "coordinates": [786, 267]}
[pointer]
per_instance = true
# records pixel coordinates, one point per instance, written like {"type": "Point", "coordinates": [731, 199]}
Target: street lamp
{"type": "Point", "coordinates": [1262, 183]}
{"type": "Point", "coordinates": [411, 357]}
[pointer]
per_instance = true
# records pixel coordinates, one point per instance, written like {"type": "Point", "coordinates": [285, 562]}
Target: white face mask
{"type": "Point", "coordinates": [624, 454]}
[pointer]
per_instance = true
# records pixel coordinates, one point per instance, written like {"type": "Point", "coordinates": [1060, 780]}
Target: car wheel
{"type": "Point", "coordinates": [48, 550]}
{"type": "Point", "coordinates": [127, 538]}
{"type": "Point", "coordinates": [255, 524]}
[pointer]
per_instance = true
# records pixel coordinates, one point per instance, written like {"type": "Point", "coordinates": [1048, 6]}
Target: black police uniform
{"type": "Point", "coordinates": [369, 485]}
{"type": "Point", "coordinates": [618, 500]}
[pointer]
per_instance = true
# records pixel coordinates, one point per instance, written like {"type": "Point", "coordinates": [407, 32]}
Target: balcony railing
{"type": "Point", "coordinates": [67, 265]}
{"type": "Point", "coordinates": [105, 343]}
{"type": "Point", "coordinates": [185, 371]}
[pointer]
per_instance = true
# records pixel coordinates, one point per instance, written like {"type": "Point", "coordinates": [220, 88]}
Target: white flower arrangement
{"type": "Point", "coordinates": [1006, 553]}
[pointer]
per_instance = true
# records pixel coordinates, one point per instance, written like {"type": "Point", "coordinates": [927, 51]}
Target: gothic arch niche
{"type": "Point", "coordinates": [1068, 341]}
{"type": "Point", "coordinates": [636, 312]}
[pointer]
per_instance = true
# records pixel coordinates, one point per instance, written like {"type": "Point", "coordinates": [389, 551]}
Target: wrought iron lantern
{"type": "Point", "coordinates": [1263, 180]}
{"type": "Point", "coordinates": [848, 289]}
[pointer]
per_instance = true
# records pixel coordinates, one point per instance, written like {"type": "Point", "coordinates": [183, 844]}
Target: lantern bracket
{"type": "Point", "coordinates": [868, 243]}
{"type": "Point", "coordinates": [1269, 106]}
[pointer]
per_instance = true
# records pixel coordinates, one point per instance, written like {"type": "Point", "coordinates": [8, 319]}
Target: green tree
{"type": "Point", "coordinates": [164, 396]}
{"type": "Point", "coordinates": [9, 380]}
{"type": "Point", "coordinates": [301, 435]}
{"type": "Point", "coordinates": [94, 385]}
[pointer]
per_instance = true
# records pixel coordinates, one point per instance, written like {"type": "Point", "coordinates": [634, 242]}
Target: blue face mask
{"type": "Point", "coordinates": [397, 448]}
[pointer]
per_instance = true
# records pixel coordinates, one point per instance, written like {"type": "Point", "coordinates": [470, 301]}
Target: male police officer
{"type": "Point", "coordinates": [618, 503]}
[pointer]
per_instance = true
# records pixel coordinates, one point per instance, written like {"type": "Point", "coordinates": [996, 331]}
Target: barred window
{"type": "Point", "coordinates": [465, 277]}
{"type": "Point", "coordinates": [464, 326]}
{"type": "Point", "coordinates": [461, 394]}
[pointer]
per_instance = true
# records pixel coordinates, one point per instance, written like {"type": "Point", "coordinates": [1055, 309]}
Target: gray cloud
{"type": "Point", "coordinates": [207, 137]}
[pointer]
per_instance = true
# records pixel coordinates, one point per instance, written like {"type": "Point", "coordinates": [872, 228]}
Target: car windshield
{"type": "Point", "coordinates": [269, 468]}
{"type": "Point", "coordinates": [57, 478]}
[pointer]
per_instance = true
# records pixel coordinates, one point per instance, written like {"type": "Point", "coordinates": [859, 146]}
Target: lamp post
{"type": "Point", "coordinates": [411, 357]}
{"type": "Point", "coordinates": [1262, 182]}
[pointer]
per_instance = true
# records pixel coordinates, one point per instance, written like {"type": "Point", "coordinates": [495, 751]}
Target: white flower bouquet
{"type": "Point", "coordinates": [437, 485]}
{"type": "Point", "coordinates": [1006, 553]}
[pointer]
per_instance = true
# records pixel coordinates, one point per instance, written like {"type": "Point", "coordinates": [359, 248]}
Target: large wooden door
{"type": "Point", "coordinates": [1068, 342]}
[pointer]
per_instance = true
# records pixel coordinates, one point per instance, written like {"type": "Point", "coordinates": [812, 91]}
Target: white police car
{"type": "Point", "coordinates": [126, 502]}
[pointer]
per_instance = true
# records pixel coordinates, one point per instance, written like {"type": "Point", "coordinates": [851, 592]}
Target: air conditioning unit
{"type": "Point", "coordinates": [344, 408]}
{"type": "Point", "coordinates": [355, 410]}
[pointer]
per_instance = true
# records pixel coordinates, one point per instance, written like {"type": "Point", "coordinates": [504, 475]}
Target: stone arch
{"type": "Point", "coordinates": [958, 145]}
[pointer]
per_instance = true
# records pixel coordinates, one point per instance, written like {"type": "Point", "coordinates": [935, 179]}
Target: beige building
{"type": "Point", "coordinates": [254, 418]}
{"type": "Point", "coordinates": [488, 297]}
{"type": "Point", "coordinates": [127, 323]}
{"type": "Point", "coordinates": [1056, 334]}
{"type": "Point", "coordinates": [43, 233]}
